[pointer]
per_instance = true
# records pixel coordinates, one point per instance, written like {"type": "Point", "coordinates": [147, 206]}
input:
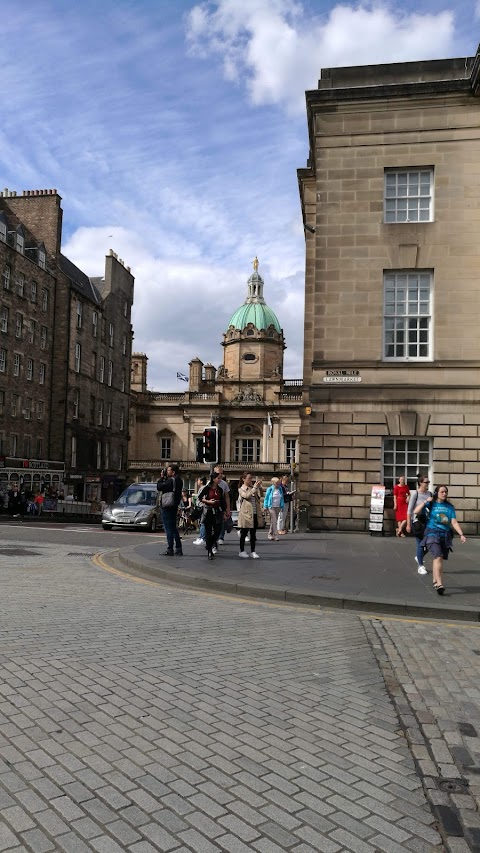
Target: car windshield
{"type": "Point", "coordinates": [135, 496]}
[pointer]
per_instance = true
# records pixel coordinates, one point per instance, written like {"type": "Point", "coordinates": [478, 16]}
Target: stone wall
{"type": "Point", "coordinates": [345, 450]}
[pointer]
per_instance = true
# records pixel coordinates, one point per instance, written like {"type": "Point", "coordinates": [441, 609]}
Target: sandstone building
{"type": "Point", "coordinates": [256, 409]}
{"type": "Point", "coordinates": [391, 205]}
{"type": "Point", "coordinates": [65, 351]}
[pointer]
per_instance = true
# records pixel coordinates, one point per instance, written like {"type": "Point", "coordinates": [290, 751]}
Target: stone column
{"type": "Point", "coordinates": [227, 448]}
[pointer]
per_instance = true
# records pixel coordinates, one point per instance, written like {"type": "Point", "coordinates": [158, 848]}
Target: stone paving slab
{"type": "Point", "coordinates": [433, 676]}
{"type": "Point", "coordinates": [348, 571]}
{"type": "Point", "coordinates": [141, 718]}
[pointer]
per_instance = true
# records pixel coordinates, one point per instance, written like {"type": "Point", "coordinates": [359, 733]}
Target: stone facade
{"type": "Point", "coordinates": [27, 293]}
{"type": "Point", "coordinates": [391, 208]}
{"type": "Point", "coordinates": [256, 409]}
{"type": "Point", "coordinates": [81, 343]}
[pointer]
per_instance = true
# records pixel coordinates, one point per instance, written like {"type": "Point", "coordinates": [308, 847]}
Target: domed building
{"type": "Point", "coordinates": [256, 409]}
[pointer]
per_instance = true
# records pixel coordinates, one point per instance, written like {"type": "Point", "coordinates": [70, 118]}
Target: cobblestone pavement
{"type": "Point", "coordinates": [136, 717]}
{"type": "Point", "coordinates": [433, 672]}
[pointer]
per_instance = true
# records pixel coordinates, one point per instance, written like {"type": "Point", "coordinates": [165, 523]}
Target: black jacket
{"type": "Point", "coordinates": [172, 484]}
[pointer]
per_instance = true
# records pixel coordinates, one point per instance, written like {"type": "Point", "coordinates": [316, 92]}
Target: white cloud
{"type": "Point", "coordinates": [182, 307]}
{"type": "Point", "coordinates": [278, 50]}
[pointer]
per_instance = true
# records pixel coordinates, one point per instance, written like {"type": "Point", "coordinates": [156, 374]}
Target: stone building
{"type": "Point", "coordinates": [391, 206]}
{"type": "Point", "coordinates": [65, 351]}
{"type": "Point", "coordinates": [26, 341]}
{"type": "Point", "coordinates": [256, 409]}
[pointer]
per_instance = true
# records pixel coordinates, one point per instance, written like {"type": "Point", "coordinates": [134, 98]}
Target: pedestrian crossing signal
{"type": "Point", "coordinates": [210, 444]}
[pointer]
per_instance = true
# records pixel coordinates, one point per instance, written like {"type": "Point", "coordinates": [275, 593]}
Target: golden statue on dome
{"type": "Point", "coordinates": [255, 264]}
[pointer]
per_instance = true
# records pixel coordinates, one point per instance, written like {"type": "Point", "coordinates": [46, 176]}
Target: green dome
{"type": "Point", "coordinates": [254, 310]}
{"type": "Point", "coordinates": [261, 316]}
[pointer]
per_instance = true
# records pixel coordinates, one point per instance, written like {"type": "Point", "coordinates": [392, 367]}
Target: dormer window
{"type": "Point", "coordinates": [42, 257]}
{"type": "Point", "coordinates": [250, 333]}
{"type": "Point", "coordinates": [20, 240]}
{"type": "Point", "coordinates": [3, 229]}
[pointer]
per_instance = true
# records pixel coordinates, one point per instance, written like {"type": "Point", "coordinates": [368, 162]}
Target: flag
{"type": "Point", "coordinates": [270, 425]}
{"type": "Point", "coordinates": [182, 377]}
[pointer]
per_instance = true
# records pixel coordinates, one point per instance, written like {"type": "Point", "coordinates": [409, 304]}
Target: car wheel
{"type": "Point", "coordinates": [153, 524]}
{"type": "Point", "coordinates": [107, 526]}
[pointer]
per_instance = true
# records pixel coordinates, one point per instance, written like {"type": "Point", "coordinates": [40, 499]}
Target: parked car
{"type": "Point", "coordinates": [137, 507]}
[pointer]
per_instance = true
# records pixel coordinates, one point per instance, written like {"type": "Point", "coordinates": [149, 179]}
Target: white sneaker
{"type": "Point", "coordinates": [255, 555]}
{"type": "Point", "coordinates": [214, 550]}
{"type": "Point", "coordinates": [199, 541]}
{"type": "Point", "coordinates": [221, 542]}
{"type": "Point", "coordinates": [422, 570]}
{"type": "Point", "coordinates": [239, 533]}
{"type": "Point", "coordinates": [247, 538]}
{"type": "Point", "coordinates": [243, 554]}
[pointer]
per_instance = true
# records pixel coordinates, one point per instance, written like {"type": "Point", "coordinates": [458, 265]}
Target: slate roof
{"type": "Point", "coordinates": [80, 281]}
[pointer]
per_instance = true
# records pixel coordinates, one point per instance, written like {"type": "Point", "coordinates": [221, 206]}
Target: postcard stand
{"type": "Point", "coordinates": [377, 504]}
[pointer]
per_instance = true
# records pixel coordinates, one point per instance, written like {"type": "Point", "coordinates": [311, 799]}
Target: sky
{"type": "Point", "coordinates": [173, 130]}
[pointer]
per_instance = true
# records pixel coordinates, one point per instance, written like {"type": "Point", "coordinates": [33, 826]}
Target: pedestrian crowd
{"type": "Point", "coordinates": [210, 508]}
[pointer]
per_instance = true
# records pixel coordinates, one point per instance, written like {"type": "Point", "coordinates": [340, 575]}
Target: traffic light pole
{"type": "Point", "coordinates": [212, 464]}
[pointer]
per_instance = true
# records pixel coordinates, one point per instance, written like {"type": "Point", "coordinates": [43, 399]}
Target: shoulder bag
{"type": "Point", "coordinates": [168, 500]}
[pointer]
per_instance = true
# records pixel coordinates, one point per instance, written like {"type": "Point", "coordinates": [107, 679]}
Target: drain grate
{"type": "Point", "coordinates": [452, 786]}
{"type": "Point", "coordinates": [81, 553]}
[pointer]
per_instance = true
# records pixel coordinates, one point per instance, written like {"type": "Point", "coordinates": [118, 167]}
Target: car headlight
{"type": "Point", "coordinates": [108, 511]}
{"type": "Point", "coordinates": [144, 513]}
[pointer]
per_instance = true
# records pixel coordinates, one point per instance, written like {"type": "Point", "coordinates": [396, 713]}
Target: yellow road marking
{"type": "Point", "coordinates": [98, 560]}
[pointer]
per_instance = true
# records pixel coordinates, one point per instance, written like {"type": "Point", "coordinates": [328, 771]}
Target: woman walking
{"type": "Point", "coordinates": [213, 500]}
{"type": "Point", "coordinates": [438, 532]}
{"type": "Point", "coordinates": [283, 518]}
{"type": "Point", "coordinates": [250, 513]}
{"type": "Point", "coordinates": [275, 503]}
{"type": "Point", "coordinates": [416, 518]}
{"type": "Point", "coordinates": [401, 494]}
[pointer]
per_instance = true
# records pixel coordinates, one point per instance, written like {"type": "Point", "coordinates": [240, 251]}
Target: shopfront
{"type": "Point", "coordinates": [33, 475]}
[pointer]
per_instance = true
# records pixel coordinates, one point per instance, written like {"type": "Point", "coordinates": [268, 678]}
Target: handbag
{"type": "Point", "coordinates": [168, 500]}
{"type": "Point", "coordinates": [229, 524]}
{"type": "Point", "coordinates": [197, 512]}
{"type": "Point", "coordinates": [418, 528]}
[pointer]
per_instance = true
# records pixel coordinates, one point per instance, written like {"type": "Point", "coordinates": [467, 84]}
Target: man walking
{"type": "Point", "coordinates": [170, 488]}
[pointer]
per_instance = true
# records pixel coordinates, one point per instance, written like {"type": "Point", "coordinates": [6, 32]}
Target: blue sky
{"type": "Point", "coordinates": [173, 130]}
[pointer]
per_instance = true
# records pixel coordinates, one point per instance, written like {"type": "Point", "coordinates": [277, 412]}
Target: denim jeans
{"type": "Point", "coordinates": [169, 518]}
{"type": "Point", "coordinates": [420, 550]}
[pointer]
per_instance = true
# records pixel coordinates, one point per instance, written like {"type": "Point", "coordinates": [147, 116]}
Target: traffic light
{"type": "Point", "coordinates": [199, 449]}
{"type": "Point", "coordinates": [211, 441]}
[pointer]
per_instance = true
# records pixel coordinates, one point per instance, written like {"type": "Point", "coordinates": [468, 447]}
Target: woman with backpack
{"type": "Point", "coordinates": [441, 517]}
{"type": "Point", "coordinates": [416, 518]}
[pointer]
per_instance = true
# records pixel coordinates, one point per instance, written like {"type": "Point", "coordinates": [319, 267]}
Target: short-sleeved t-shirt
{"type": "Point", "coordinates": [224, 486]}
{"type": "Point", "coordinates": [439, 517]}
